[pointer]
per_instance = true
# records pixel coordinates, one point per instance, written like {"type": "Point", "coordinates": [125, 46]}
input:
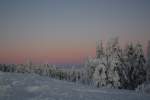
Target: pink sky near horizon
{"type": "Point", "coordinates": [38, 54]}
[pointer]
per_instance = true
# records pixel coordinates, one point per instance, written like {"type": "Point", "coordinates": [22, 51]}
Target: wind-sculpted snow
{"type": "Point", "coordinates": [15, 86]}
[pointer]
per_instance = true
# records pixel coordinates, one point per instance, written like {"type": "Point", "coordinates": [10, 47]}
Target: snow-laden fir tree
{"type": "Point", "coordinates": [112, 63]}
{"type": "Point", "coordinates": [132, 70]}
{"type": "Point", "coordinates": [90, 66]}
{"type": "Point", "coordinates": [99, 75]}
{"type": "Point", "coordinates": [99, 49]}
{"type": "Point", "coordinates": [106, 71]}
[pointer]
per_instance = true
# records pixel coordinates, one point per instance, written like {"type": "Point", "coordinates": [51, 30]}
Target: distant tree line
{"type": "Point", "coordinates": [113, 67]}
{"type": "Point", "coordinates": [71, 74]}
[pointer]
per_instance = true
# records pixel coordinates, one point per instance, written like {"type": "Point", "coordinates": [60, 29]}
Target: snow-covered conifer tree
{"type": "Point", "coordinates": [112, 62]}
{"type": "Point", "coordinates": [106, 71]}
{"type": "Point", "coordinates": [99, 49]}
{"type": "Point", "coordinates": [132, 70]}
{"type": "Point", "coordinates": [90, 66]}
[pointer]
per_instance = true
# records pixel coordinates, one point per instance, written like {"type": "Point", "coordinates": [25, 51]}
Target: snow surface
{"type": "Point", "coordinates": [14, 86]}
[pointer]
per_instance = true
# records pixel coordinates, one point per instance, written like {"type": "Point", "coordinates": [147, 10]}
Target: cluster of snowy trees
{"type": "Point", "coordinates": [113, 67]}
{"type": "Point", "coordinates": [116, 67]}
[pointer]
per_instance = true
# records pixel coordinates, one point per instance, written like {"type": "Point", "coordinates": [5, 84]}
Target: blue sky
{"type": "Point", "coordinates": [65, 31]}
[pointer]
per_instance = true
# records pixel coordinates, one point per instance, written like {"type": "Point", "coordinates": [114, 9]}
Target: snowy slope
{"type": "Point", "coordinates": [15, 86]}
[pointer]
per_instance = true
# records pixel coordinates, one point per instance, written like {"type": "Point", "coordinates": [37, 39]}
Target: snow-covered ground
{"type": "Point", "coordinates": [15, 86]}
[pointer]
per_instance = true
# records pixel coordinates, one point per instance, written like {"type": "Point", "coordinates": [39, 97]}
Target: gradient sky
{"type": "Point", "coordinates": [66, 31]}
